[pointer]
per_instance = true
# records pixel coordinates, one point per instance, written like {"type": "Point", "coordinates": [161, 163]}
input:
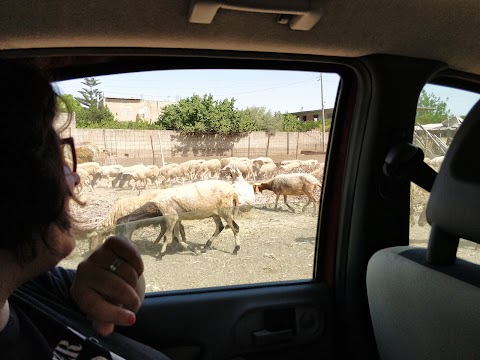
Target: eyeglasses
{"type": "Point", "coordinates": [69, 155]}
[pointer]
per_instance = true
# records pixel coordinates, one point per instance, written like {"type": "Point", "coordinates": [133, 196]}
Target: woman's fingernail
{"type": "Point", "coordinates": [132, 319]}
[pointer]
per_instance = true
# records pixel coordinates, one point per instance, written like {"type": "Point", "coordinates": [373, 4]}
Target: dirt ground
{"type": "Point", "coordinates": [275, 245]}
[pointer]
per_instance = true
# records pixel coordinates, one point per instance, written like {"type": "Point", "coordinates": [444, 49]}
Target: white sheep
{"type": "Point", "coordinates": [287, 162]}
{"type": "Point", "coordinates": [176, 173]}
{"type": "Point", "coordinates": [311, 163]}
{"type": "Point", "coordinates": [243, 164]}
{"type": "Point", "coordinates": [291, 184]}
{"type": "Point", "coordinates": [210, 168]}
{"type": "Point", "coordinates": [224, 161]}
{"type": "Point", "coordinates": [290, 166]}
{"type": "Point", "coordinates": [435, 163]}
{"type": "Point", "coordinates": [164, 169]}
{"type": "Point", "coordinates": [258, 162]}
{"type": "Point", "coordinates": [126, 170]}
{"type": "Point", "coordinates": [267, 171]}
{"type": "Point", "coordinates": [91, 167]}
{"type": "Point", "coordinates": [245, 191]}
{"type": "Point", "coordinates": [200, 200]}
{"type": "Point", "coordinates": [194, 167]}
{"type": "Point", "coordinates": [263, 160]}
{"type": "Point", "coordinates": [185, 170]}
{"type": "Point", "coordinates": [319, 170]}
{"type": "Point", "coordinates": [139, 176]}
{"type": "Point", "coordinates": [106, 172]}
{"type": "Point", "coordinates": [85, 181]}
{"type": "Point", "coordinates": [154, 174]}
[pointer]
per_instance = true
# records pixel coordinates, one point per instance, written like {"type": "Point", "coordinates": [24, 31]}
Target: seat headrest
{"type": "Point", "coordinates": [454, 204]}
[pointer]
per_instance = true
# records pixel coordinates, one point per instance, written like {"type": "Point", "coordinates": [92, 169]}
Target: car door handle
{"type": "Point", "coordinates": [267, 337]}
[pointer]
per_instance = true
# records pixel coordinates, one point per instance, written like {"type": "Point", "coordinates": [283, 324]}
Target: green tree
{"type": "Point", "coordinates": [67, 103]}
{"type": "Point", "coordinates": [204, 115]}
{"type": "Point", "coordinates": [263, 119]}
{"type": "Point", "coordinates": [290, 123]}
{"type": "Point", "coordinates": [90, 95]}
{"type": "Point", "coordinates": [95, 118]}
{"type": "Point", "coordinates": [431, 109]}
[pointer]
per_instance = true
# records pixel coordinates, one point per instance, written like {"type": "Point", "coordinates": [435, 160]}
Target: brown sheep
{"type": "Point", "coordinates": [291, 184]}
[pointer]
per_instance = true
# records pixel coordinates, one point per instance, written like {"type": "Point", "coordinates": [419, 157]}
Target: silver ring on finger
{"type": "Point", "coordinates": [115, 264]}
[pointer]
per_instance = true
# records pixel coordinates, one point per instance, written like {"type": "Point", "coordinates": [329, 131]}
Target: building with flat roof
{"type": "Point", "coordinates": [135, 109]}
{"type": "Point", "coordinates": [313, 115]}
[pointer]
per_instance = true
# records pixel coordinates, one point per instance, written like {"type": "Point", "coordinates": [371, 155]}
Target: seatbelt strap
{"type": "Point", "coordinates": [405, 162]}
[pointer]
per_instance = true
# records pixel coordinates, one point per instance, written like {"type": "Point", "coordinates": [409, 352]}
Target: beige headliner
{"type": "Point", "coordinates": [445, 30]}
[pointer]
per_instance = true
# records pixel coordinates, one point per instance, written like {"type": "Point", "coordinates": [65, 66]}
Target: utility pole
{"type": "Point", "coordinates": [323, 112]}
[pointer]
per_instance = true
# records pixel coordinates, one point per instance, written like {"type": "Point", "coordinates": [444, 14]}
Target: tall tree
{"type": "Point", "coordinates": [204, 115]}
{"type": "Point", "coordinates": [431, 109]}
{"type": "Point", "coordinates": [90, 95]}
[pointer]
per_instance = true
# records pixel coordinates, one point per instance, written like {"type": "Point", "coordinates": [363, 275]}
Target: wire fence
{"type": "Point", "coordinates": [127, 147]}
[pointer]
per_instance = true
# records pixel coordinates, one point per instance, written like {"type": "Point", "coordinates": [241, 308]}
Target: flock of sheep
{"type": "Point", "coordinates": [192, 190]}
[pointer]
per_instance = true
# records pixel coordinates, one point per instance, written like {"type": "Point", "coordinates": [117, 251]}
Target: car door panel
{"type": "Point", "coordinates": [244, 323]}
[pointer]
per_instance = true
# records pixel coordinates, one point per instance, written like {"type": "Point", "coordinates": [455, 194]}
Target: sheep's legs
{"type": "Point", "coordinates": [164, 230]}
{"type": "Point", "coordinates": [310, 200]}
{"type": "Point", "coordinates": [179, 228]}
{"type": "Point", "coordinates": [285, 201]}
{"type": "Point", "coordinates": [276, 201]}
{"type": "Point", "coordinates": [218, 229]}
{"type": "Point", "coordinates": [177, 231]}
{"type": "Point", "coordinates": [227, 215]}
{"type": "Point", "coordinates": [235, 228]}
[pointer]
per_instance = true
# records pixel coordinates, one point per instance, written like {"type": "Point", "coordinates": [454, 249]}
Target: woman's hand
{"type": "Point", "coordinates": [109, 285]}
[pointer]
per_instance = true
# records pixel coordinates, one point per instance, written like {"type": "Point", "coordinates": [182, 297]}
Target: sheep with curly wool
{"type": "Point", "coordinates": [120, 208]}
{"type": "Point", "coordinates": [291, 184]}
{"type": "Point", "coordinates": [214, 199]}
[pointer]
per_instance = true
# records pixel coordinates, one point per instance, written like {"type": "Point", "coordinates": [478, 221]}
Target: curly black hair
{"type": "Point", "coordinates": [34, 187]}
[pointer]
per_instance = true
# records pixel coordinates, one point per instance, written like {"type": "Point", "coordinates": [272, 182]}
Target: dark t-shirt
{"type": "Point", "coordinates": [45, 323]}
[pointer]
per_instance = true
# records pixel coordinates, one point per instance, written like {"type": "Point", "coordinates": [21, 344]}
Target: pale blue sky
{"type": "Point", "coordinates": [284, 91]}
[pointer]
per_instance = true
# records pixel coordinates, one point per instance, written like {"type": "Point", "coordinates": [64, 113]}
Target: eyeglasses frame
{"type": "Point", "coordinates": [69, 141]}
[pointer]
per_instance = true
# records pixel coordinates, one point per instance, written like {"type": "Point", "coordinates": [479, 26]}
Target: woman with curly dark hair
{"type": "Point", "coordinates": [47, 312]}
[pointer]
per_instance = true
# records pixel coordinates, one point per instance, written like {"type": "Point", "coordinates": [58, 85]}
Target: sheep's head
{"type": "Point", "coordinates": [235, 173]}
{"type": "Point", "coordinates": [257, 188]}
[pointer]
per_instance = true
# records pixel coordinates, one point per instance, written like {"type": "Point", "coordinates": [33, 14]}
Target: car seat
{"type": "Point", "coordinates": [425, 303]}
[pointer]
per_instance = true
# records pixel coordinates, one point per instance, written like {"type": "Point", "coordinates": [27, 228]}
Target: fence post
{"type": "Point", "coordinates": [288, 143]}
{"type": "Point", "coordinates": [298, 140]}
{"type": "Point", "coordinates": [268, 144]}
{"type": "Point", "coordinates": [161, 149]}
{"type": "Point", "coordinates": [153, 150]}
